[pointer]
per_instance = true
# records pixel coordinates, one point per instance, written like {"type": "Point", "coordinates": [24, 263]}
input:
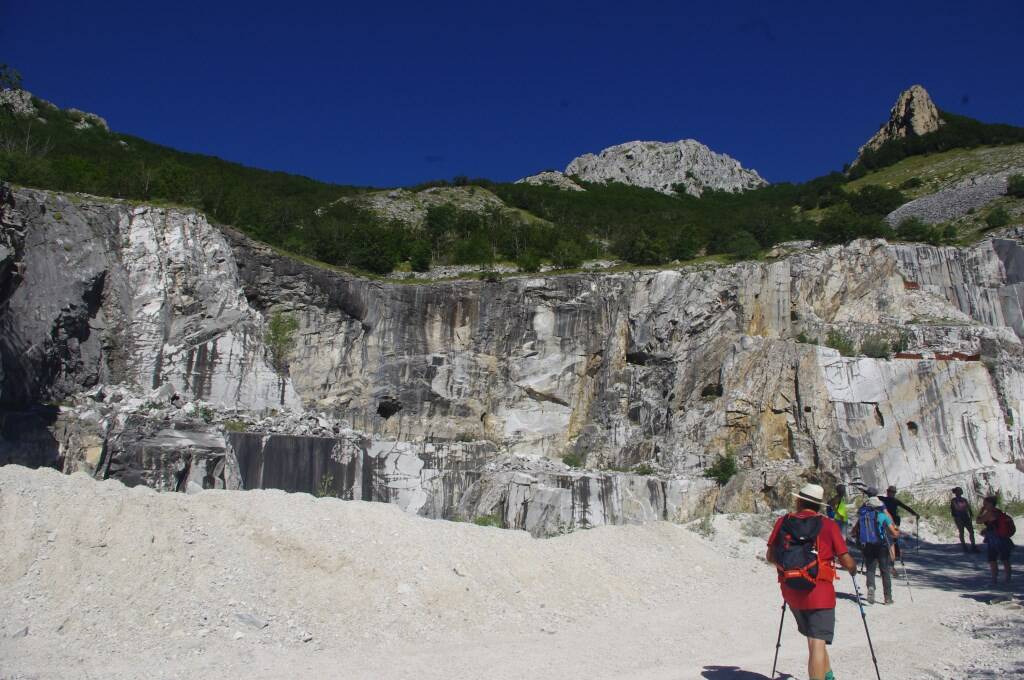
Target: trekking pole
{"type": "Point", "coordinates": [864, 617]}
{"type": "Point", "coordinates": [907, 577]}
{"type": "Point", "coordinates": [778, 643]}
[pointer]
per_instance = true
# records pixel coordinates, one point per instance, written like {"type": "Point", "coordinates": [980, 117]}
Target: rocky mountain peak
{"type": "Point", "coordinates": [660, 166]}
{"type": "Point", "coordinates": [913, 114]}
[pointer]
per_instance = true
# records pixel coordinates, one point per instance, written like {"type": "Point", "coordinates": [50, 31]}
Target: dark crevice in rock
{"type": "Point", "coordinates": [388, 406]}
{"type": "Point", "coordinates": [542, 396]}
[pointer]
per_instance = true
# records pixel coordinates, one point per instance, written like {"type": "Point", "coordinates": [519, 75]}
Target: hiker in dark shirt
{"type": "Point", "coordinates": [960, 509]}
{"type": "Point", "coordinates": [893, 505]}
{"type": "Point", "coordinates": [998, 532]}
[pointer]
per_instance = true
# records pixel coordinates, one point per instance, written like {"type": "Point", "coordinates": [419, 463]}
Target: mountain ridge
{"type": "Point", "coordinates": [662, 166]}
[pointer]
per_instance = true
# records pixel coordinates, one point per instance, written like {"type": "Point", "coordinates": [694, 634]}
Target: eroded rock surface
{"type": "Point", "coordinates": [459, 399]}
{"type": "Point", "coordinates": [662, 166]}
{"type": "Point", "coordinates": [913, 114]}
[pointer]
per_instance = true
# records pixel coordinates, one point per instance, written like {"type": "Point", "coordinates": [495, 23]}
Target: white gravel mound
{"type": "Point", "coordinates": [101, 581]}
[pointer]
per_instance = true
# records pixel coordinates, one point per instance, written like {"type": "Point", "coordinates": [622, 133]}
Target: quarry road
{"type": "Point", "coordinates": [101, 581]}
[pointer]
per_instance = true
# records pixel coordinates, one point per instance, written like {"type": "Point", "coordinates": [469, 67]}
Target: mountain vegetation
{"type": "Point", "coordinates": [58, 149]}
{"type": "Point", "coordinates": [958, 132]}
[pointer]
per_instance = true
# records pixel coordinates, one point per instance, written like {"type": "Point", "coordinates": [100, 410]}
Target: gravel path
{"type": "Point", "coordinates": [101, 581]}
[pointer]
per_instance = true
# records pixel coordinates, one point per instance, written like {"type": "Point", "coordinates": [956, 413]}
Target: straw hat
{"type": "Point", "coordinates": [812, 493]}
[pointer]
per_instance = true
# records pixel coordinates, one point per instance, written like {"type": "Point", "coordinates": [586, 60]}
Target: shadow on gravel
{"type": "Point", "coordinates": [945, 566]}
{"type": "Point", "coordinates": [736, 673]}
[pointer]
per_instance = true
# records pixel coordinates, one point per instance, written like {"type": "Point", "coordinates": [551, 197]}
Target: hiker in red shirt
{"type": "Point", "coordinates": [804, 547]}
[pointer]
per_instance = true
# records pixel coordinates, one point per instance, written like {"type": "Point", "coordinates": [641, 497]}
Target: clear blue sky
{"type": "Point", "coordinates": [393, 93]}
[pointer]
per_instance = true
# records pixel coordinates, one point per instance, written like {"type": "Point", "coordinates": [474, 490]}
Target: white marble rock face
{"type": "Point", "coordinates": [667, 369]}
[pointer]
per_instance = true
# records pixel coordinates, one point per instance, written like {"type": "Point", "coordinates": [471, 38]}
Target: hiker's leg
{"type": "Point", "coordinates": [817, 659]}
{"type": "Point", "coordinates": [960, 526]}
{"type": "Point", "coordinates": [886, 568]}
{"type": "Point", "coordinates": [970, 530]}
{"type": "Point", "coordinates": [870, 558]}
{"type": "Point", "coordinates": [1006, 564]}
{"type": "Point", "coordinates": [994, 567]}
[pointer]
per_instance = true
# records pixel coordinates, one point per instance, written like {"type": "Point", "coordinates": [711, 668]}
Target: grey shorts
{"type": "Point", "coordinates": [819, 624]}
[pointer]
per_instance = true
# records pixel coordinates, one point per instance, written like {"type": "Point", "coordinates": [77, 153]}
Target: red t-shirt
{"type": "Point", "coordinates": [830, 546]}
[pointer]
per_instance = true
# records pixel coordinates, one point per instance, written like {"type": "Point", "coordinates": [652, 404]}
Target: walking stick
{"type": "Point", "coordinates": [778, 643]}
{"type": "Point", "coordinates": [864, 617]}
{"type": "Point", "coordinates": [907, 577]}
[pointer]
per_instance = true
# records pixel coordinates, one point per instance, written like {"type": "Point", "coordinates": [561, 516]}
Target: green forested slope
{"type": "Point", "coordinates": [305, 216]}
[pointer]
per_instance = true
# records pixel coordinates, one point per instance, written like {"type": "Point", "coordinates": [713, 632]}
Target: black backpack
{"type": "Point", "coordinates": [796, 552]}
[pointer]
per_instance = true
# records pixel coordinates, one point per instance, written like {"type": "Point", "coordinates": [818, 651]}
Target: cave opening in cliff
{"type": "Point", "coordinates": [388, 406]}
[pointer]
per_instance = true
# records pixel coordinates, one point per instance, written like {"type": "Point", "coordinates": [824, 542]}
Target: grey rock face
{"type": "Point", "coordinates": [671, 368]}
{"type": "Point", "coordinates": [657, 165]}
{"type": "Point", "coordinates": [104, 292]}
{"type": "Point", "coordinates": [551, 178]}
{"type": "Point", "coordinates": [19, 102]}
{"type": "Point", "coordinates": [913, 114]}
{"type": "Point", "coordinates": [663, 165]}
{"type": "Point", "coordinates": [457, 399]}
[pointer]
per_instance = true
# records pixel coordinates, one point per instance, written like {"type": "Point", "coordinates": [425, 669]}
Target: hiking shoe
{"type": "Point", "coordinates": [889, 600]}
{"type": "Point", "coordinates": [871, 597]}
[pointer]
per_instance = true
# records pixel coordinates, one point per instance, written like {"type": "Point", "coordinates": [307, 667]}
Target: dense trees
{"type": "Point", "coordinates": [542, 223]}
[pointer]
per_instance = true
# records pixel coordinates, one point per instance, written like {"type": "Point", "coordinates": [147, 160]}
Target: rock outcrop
{"type": "Point", "coordinates": [913, 114]}
{"type": "Point", "coordinates": [662, 166]}
{"type": "Point", "coordinates": [22, 104]}
{"type": "Point", "coordinates": [551, 178]}
{"type": "Point", "coordinates": [459, 398]}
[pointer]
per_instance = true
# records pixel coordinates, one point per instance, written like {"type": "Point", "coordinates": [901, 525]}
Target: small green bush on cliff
{"type": "Point", "coordinates": [914, 229]}
{"type": "Point", "coordinates": [1015, 186]}
{"type": "Point", "coordinates": [280, 338]}
{"type": "Point", "coordinates": [838, 340]}
{"type": "Point", "coordinates": [487, 521]}
{"type": "Point", "coordinates": [573, 460]}
{"type": "Point", "coordinates": [723, 469]}
{"type": "Point", "coordinates": [876, 347]}
{"type": "Point", "coordinates": [997, 217]}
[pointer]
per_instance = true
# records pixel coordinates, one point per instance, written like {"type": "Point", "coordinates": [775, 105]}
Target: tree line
{"type": "Point", "coordinates": [314, 219]}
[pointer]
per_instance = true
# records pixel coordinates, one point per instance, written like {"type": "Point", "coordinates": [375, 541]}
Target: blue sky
{"type": "Point", "coordinates": [397, 93]}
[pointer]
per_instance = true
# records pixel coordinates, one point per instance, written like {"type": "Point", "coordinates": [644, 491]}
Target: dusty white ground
{"type": "Point", "coordinates": [125, 583]}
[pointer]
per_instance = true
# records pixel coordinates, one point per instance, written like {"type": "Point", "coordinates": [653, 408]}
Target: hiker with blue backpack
{"type": "Point", "coordinates": [804, 547]}
{"type": "Point", "coordinates": [875, 531]}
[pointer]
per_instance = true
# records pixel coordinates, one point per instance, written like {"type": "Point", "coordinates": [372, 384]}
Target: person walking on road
{"type": "Point", "coordinates": [960, 509]}
{"type": "Point", "coordinates": [998, 532]}
{"type": "Point", "coordinates": [893, 505]}
{"type": "Point", "coordinates": [875, 530]}
{"type": "Point", "coordinates": [804, 547]}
